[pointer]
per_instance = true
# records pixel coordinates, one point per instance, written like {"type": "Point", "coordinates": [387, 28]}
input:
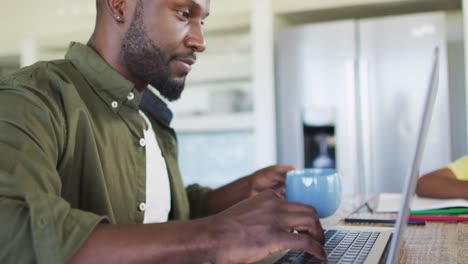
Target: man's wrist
{"type": "Point", "coordinates": [249, 186]}
{"type": "Point", "coordinates": [203, 240]}
{"type": "Point", "coordinates": [228, 195]}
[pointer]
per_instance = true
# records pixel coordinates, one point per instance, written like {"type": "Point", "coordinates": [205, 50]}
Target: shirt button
{"type": "Point", "coordinates": [42, 223]}
{"type": "Point", "coordinates": [130, 96]}
{"type": "Point", "coordinates": [115, 104]}
{"type": "Point", "coordinates": [142, 142]}
{"type": "Point", "coordinates": [142, 207]}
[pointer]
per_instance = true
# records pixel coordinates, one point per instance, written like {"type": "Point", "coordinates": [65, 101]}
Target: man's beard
{"type": "Point", "coordinates": [146, 61]}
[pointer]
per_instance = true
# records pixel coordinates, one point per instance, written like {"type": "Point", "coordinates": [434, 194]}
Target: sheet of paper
{"type": "Point", "coordinates": [391, 202]}
{"type": "Point", "coordinates": [388, 202]}
{"type": "Point", "coordinates": [419, 203]}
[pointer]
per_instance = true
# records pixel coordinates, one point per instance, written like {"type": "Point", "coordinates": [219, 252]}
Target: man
{"type": "Point", "coordinates": [75, 182]}
{"type": "Point", "coordinates": [448, 182]}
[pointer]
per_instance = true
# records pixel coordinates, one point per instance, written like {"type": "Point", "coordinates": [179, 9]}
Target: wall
{"type": "Point", "coordinates": [59, 21]}
{"type": "Point", "coordinates": [35, 19]}
{"type": "Point", "coordinates": [456, 71]}
{"type": "Point", "coordinates": [465, 30]}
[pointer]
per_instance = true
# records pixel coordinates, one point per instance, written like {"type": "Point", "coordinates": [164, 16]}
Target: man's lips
{"type": "Point", "coordinates": [188, 61]}
{"type": "Point", "coordinates": [184, 63]}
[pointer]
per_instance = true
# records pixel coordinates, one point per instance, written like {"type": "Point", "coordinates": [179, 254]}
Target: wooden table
{"type": "Point", "coordinates": [436, 242]}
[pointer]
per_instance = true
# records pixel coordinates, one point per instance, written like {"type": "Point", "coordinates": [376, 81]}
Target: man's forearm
{"type": "Point", "coordinates": [172, 242]}
{"type": "Point", "coordinates": [268, 178]}
{"type": "Point", "coordinates": [228, 195]}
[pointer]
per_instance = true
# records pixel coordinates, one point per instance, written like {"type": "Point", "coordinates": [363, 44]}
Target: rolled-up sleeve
{"type": "Point", "coordinates": [36, 224]}
{"type": "Point", "coordinates": [197, 196]}
{"type": "Point", "coordinates": [41, 228]}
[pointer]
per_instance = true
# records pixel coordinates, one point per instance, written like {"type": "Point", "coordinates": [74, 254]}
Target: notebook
{"type": "Point", "coordinates": [347, 244]}
{"type": "Point", "coordinates": [390, 202]}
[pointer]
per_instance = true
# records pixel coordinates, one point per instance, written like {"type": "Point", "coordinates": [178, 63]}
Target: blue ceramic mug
{"type": "Point", "coordinates": [320, 188]}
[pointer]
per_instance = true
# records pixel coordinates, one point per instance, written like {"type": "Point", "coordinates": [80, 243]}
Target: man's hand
{"type": "Point", "coordinates": [269, 178]}
{"type": "Point", "coordinates": [273, 177]}
{"type": "Point", "coordinates": [263, 225]}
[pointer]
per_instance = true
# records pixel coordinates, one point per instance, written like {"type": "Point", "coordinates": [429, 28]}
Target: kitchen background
{"type": "Point", "coordinates": [305, 82]}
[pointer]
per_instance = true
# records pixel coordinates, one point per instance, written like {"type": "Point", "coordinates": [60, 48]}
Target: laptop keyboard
{"type": "Point", "coordinates": [342, 246]}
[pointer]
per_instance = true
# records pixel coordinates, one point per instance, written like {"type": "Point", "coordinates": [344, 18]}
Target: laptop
{"type": "Point", "coordinates": [369, 245]}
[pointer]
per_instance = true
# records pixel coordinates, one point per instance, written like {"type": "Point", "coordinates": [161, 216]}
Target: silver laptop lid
{"type": "Point", "coordinates": [410, 186]}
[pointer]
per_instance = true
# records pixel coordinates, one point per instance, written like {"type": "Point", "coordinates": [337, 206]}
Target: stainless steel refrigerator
{"type": "Point", "coordinates": [350, 96]}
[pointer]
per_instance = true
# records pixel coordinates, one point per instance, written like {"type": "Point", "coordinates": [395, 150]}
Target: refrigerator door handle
{"type": "Point", "coordinates": [364, 126]}
{"type": "Point", "coordinates": [348, 151]}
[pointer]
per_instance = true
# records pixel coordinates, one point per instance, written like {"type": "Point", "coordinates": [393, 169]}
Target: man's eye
{"type": "Point", "coordinates": [184, 13]}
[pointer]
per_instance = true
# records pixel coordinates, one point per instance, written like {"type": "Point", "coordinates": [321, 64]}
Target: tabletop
{"type": "Point", "coordinates": [436, 242]}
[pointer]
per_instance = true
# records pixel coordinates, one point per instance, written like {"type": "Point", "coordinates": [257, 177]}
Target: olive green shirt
{"type": "Point", "coordinates": [71, 156]}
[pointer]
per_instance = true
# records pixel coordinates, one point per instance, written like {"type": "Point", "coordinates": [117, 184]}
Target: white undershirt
{"type": "Point", "coordinates": [158, 192]}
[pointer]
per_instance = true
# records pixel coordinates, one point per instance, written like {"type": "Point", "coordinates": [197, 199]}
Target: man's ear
{"type": "Point", "coordinates": [117, 9]}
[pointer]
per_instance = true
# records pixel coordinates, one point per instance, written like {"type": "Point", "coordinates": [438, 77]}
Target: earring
{"type": "Point", "coordinates": [119, 18]}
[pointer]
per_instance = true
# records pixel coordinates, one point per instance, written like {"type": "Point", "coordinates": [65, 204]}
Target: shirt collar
{"type": "Point", "coordinates": [154, 105]}
{"type": "Point", "coordinates": [114, 89]}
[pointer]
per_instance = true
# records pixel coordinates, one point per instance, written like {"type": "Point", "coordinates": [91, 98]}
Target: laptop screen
{"type": "Point", "coordinates": [410, 185]}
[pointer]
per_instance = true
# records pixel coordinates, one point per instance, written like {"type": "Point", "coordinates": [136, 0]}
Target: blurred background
{"type": "Point", "coordinates": [312, 83]}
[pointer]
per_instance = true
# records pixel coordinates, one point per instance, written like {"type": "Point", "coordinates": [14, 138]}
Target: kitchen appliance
{"type": "Point", "coordinates": [360, 82]}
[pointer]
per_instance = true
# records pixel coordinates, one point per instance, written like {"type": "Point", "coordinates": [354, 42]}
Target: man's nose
{"type": "Point", "coordinates": [196, 38]}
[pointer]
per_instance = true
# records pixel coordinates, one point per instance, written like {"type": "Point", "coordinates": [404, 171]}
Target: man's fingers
{"type": "Point", "coordinates": [303, 218]}
{"type": "Point", "coordinates": [305, 223]}
{"type": "Point", "coordinates": [280, 189]}
{"type": "Point", "coordinates": [277, 177]}
{"type": "Point", "coordinates": [302, 242]}
{"type": "Point", "coordinates": [284, 168]}
{"type": "Point", "coordinates": [316, 233]}
{"type": "Point", "coordinates": [280, 172]}
{"type": "Point", "coordinates": [292, 207]}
